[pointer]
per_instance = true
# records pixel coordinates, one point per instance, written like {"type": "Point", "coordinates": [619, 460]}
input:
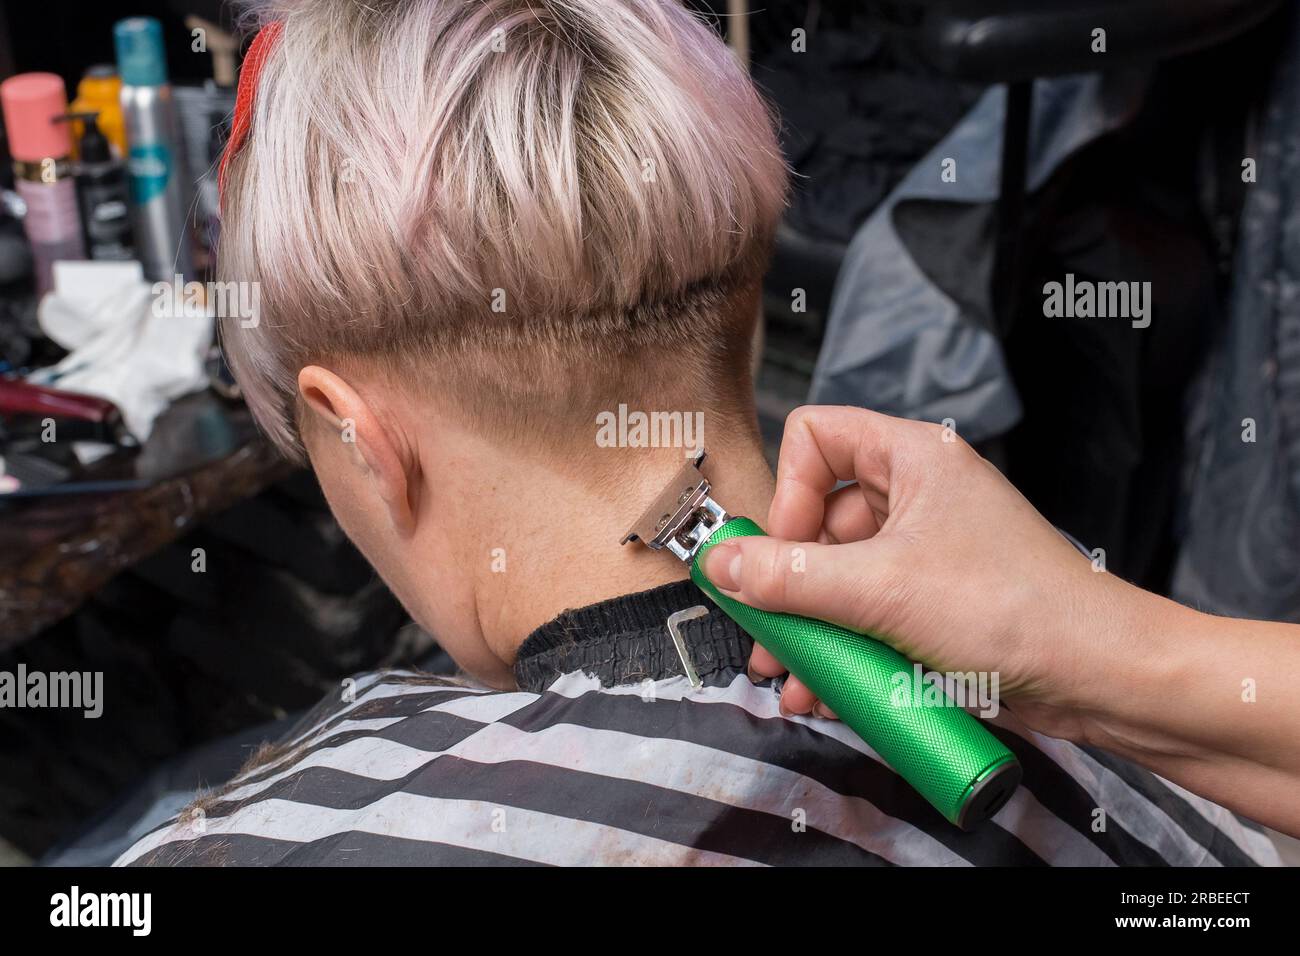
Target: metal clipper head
{"type": "Point", "coordinates": [682, 517]}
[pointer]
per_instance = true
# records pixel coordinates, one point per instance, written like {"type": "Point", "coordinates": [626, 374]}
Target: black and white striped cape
{"type": "Point", "coordinates": [616, 761]}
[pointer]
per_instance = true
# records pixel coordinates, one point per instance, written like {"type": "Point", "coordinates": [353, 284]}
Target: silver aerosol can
{"type": "Point", "coordinates": [155, 160]}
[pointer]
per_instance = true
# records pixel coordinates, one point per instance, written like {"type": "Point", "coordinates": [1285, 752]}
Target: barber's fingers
{"type": "Point", "coordinates": [841, 583]}
{"type": "Point", "coordinates": [763, 663]}
{"type": "Point", "coordinates": [849, 517]}
{"type": "Point", "coordinates": [824, 445]}
{"type": "Point", "coordinates": [796, 698]}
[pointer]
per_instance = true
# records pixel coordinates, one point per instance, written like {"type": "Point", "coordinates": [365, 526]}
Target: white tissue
{"type": "Point", "coordinates": [121, 347]}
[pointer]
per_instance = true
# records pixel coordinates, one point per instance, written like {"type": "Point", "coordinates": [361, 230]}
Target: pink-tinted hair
{"type": "Point", "coordinates": [573, 180]}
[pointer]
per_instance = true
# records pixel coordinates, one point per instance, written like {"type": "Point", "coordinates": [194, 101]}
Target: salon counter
{"type": "Point", "coordinates": [55, 551]}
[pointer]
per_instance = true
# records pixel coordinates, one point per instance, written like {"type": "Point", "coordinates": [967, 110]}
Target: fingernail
{"type": "Point", "coordinates": [722, 567]}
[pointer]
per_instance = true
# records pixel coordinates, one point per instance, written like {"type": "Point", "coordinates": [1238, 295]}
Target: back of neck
{"type": "Point", "coordinates": [567, 531]}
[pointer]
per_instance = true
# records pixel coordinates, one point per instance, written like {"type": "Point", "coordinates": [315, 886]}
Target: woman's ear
{"type": "Point", "coordinates": [386, 459]}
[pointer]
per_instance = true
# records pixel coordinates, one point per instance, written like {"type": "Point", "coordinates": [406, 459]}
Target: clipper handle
{"type": "Point", "coordinates": [965, 772]}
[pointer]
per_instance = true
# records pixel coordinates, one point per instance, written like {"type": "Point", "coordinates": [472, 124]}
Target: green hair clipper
{"type": "Point", "coordinates": [944, 752]}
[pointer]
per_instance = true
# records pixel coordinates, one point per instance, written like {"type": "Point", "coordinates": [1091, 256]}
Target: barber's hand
{"type": "Point", "coordinates": [932, 551]}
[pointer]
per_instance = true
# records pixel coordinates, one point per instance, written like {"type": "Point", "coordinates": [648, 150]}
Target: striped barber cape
{"type": "Point", "coordinates": [606, 755]}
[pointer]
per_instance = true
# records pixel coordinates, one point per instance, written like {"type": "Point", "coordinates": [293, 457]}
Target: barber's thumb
{"type": "Point", "coordinates": [815, 580]}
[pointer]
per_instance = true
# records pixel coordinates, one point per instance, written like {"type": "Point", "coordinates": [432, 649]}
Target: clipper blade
{"type": "Point", "coordinates": [682, 517]}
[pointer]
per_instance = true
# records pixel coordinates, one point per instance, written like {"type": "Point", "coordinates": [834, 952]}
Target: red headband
{"type": "Point", "coordinates": [258, 53]}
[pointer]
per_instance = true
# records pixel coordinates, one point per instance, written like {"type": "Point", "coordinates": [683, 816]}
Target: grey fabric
{"type": "Point", "coordinates": [105, 845]}
{"type": "Point", "coordinates": [897, 341]}
{"type": "Point", "coordinates": [1240, 554]}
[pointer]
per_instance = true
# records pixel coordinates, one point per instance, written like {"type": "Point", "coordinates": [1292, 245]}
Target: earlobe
{"type": "Point", "coordinates": [385, 458]}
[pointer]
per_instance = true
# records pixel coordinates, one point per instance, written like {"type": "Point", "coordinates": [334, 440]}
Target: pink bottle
{"type": "Point", "coordinates": [40, 144]}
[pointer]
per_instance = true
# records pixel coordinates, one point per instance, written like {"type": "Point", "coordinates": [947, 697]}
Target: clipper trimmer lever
{"type": "Point", "coordinates": [944, 752]}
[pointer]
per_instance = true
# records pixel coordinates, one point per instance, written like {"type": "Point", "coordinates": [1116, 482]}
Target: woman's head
{"type": "Point", "coordinates": [536, 208]}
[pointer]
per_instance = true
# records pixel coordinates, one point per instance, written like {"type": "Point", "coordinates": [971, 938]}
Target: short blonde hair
{"type": "Point", "coordinates": [554, 184]}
